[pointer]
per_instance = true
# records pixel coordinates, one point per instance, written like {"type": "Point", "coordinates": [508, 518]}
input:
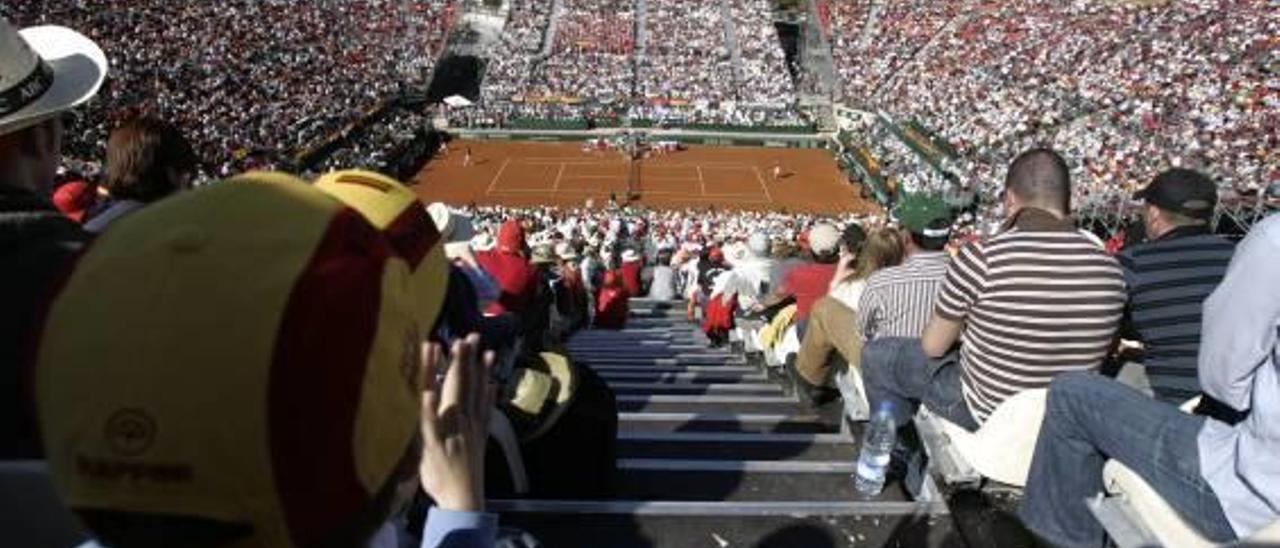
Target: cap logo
{"type": "Point", "coordinates": [130, 432]}
{"type": "Point", "coordinates": [1195, 204]}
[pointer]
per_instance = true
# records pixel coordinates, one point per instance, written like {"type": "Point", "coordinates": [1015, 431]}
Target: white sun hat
{"type": "Point", "coordinates": [44, 71]}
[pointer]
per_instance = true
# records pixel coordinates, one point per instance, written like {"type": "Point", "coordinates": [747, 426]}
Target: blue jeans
{"type": "Point", "coordinates": [895, 369]}
{"type": "Point", "coordinates": [1089, 419]}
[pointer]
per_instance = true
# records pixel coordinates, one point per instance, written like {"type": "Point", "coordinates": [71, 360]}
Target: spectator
{"type": "Point", "coordinates": [662, 285]}
{"type": "Point", "coordinates": [632, 264]}
{"type": "Point", "coordinates": [147, 160]}
{"type": "Point", "coordinates": [44, 71]}
{"type": "Point", "coordinates": [1170, 275]}
{"type": "Point", "coordinates": [457, 230]}
{"type": "Point", "coordinates": [1218, 476]}
{"type": "Point", "coordinates": [336, 354]}
{"type": "Point", "coordinates": [1064, 294]}
{"type": "Point", "coordinates": [898, 300]}
{"type": "Point", "coordinates": [573, 308]}
{"type": "Point", "coordinates": [810, 282]}
{"type": "Point", "coordinates": [752, 275]}
{"type": "Point", "coordinates": [611, 303]}
{"type": "Point", "coordinates": [507, 264]}
{"type": "Point", "coordinates": [831, 328]}
{"type": "Point", "coordinates": [845, 286]}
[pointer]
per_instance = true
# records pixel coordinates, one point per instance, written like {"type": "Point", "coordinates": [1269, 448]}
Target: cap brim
{"type": "Point", "coordinates": [79, 68]}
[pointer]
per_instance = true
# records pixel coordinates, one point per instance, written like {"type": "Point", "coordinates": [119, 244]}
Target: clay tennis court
{"type": "Point", "coordinates": [525, 174]}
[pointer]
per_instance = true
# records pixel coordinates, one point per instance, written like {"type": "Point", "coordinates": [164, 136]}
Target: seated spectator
{"type": "Point", "coordinates": [312, 346]}
{"type": "Point", "coordinates": [810, 281]}
{"type": "Point", "coordinates": [897, 301]}
{"type": "Point", "coordinates": [611, 303]}
{"type": "Point", "coordinates": [662, 278]}
{"type": "Point", "coordinates": [845, 286]}
{"type": "Point", "coordinates": [1062, 292]}
{"type": "Point", "coordinates": [457, 230]}
{"type": "Point", "coordinates": [507, 264]}
{"type": "Point", "coordinates": [752, 275]}
{"type": "Point", "coordinates": [632, 264]}
{"type": "Point", "coordinates": [147, 160]}
{"type": "Point", "coordinates": [831, 325]}
{"type": "Point", "coordinates": [573, 307]}
{"type": "Point", "coordinates": [1220, 476]}
{"type": "Point", "coordinates": [1169, 276]}
{"type": "Point", "coordinates": [36, 240]}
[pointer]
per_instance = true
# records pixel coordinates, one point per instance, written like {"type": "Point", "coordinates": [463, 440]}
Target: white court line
{"type": "Point", "coordinates": [555, 187]}
{"type": "Point", "coordinates": [498, 175]}
{"type": "Point", "coordinates": [739, 198]}
{"type": "Point", "coordinates": [762, 184]}
{"type": "Point", "coordinates": [702, 181]}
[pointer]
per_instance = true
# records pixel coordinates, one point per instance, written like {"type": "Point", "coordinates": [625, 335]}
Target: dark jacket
{"type": "Point", "coordinates": [37, 245]}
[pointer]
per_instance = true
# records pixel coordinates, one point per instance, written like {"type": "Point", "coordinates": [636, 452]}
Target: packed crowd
{"type": "Point", "coordinates": [707, 64]}
{"type": "Point", "coordinates": [687, 56]}
{"type": "Point", "coordinates": [248, 79]}
{"type": "Point", "coordinates": [763, 77]}
{"type": "Point", "coordinates": [1133, 88]}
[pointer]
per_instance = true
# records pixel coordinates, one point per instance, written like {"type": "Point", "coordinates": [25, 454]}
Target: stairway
{"type": "Point", "coordinates": [713, 452]}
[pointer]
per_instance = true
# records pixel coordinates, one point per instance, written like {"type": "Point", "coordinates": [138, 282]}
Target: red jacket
{"type": "Point", "coordinates": [515, 276]}
{"type": "Point", "coordinates": [612, 307]}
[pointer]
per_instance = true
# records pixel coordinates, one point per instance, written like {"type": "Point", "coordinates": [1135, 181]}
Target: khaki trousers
{"type": "Point", "coordinates": [832, 327]}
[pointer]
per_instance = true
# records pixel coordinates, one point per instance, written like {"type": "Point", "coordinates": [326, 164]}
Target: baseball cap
{"type": "Point", "coordinates": [824, 238]}
{"type": "Point", "coordinates": [246, 353]}
{"type": "Point", "coordinates": [919, 213]}
{"type": "Point", "coordinates": [45, 70]}
{"type": "Point", "coordinates": [395, 210]}
{"type": "Point", "coordinates": [1183, 191]}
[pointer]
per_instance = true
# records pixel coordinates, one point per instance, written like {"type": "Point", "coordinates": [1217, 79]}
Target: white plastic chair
{"type": "Point", "coordinates": [1000, 450]}
{"type": "Point", "coordinates": [1134, 514]}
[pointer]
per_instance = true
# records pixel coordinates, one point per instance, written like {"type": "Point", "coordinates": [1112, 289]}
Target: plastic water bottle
{"type": "Point", "coordinates": [877, 445]}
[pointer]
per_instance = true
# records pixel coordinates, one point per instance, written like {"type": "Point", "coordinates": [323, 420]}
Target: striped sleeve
{"type": "Point", "coordinates": [868, 309]}
{"type": "Point", "coordinates": [966, 276]}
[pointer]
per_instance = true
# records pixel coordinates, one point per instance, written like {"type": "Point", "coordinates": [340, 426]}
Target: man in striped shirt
{"type": "Point", "coordinates": [1170, 276]}
{"type": "Point", "coordinates": [1034, 301]}
{"type": "Point", "coordinates": [898, 300]}
{"type": "Point", "coordinates": [895, 302]}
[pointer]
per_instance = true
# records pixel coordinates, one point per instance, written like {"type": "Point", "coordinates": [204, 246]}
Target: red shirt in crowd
{"type": "Point", "coordinates": [808, 283]}
{"type": "Point", "coordinates": [611, 304]}
{"type": "Point", "coordinates": [517, 278]}
{"type": "Point", "coordinates": [630, 273]}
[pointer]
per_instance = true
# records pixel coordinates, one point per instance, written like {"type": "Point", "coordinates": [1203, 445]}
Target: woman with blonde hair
{"type": "Point", "coordinates": [832, 322]}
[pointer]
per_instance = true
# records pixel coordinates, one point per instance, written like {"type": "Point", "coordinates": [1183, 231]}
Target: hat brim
{"type": "Point", "coordinates": [79, 68]}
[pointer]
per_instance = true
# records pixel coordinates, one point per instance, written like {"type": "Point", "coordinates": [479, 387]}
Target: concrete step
{"type": "Point", "coordinates": [674, 368]}
{"type": "Point", "coordinates": [683, 360]}
{"type": "Point", "coordinates": [664, 403]}
{"type": "Point", "coordinates": [740, 480]}
{"type": "Point", "coordinates": [669, 524]}
{"type": "Point", "coordinates": [746, 389]}
{"type": "Point", "coordinates": [716, 421]}
{"type": "Point", "coordinates": [736, 445]}
{"type": "Point", "coordinates": [666, 377]}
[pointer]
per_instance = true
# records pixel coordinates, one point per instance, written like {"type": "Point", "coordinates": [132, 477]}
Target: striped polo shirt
{"type": "Point", "coordinates": [1036, 300]}
{"type": "Point", "coordinates": [898, 300]}
{"type": "Point", "coordinates": [1168, 281]}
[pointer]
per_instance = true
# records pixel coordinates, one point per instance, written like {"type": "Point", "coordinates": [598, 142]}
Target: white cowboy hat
{"type": "Point", "coordinates": [44, 71]}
